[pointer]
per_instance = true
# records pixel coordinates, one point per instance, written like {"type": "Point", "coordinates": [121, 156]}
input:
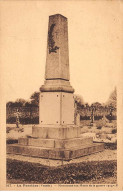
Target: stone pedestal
{"type": "Point", "coordinates": [55, 142]}
{"type": "Point", "coordinates": [57, 108]}
{"type": "Point", "coordinates": [46, 144]}
{"type": "Point", "coordinates": [56, 136]}
{"type": "Point", "coordinates": [36, 150]}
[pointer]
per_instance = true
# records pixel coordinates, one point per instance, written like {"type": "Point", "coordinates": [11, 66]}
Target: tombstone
{"type": "Point", "coordinates": [77, 121]}
{"type": "Point", "coordinates": [57, 136]}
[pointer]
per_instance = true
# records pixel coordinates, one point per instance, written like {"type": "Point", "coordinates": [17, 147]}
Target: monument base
{"type": "Point", "coordinates": [55, 153]}
{"type": "Point", "coordinates": [63, 146]}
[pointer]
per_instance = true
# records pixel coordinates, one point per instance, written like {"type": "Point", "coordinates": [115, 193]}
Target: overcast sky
{"type": "Point", "coordinates": [95, 49]}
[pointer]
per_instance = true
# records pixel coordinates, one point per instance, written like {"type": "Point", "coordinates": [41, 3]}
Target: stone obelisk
{"type": "Point", "coordinates": [56, 136]}
{"type": "Point", "coordinates": [56, 99]}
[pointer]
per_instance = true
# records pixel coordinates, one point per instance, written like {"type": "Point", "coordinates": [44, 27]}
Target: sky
{"type": "Point", "coordinates": [95, 46]}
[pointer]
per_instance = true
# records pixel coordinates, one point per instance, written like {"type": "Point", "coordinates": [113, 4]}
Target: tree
{"type": "Point", "coordinates": [112, 101]}
{"type": "Point", "coordinates": [9, 104]}
{"type": "Point", "coordinates": [79, 100]}
{"type": "Point", "coordinates": [28, 104]}
{"type": "Point", "coordinates": [18, 103]}
{"type": "Point", "coordinates": [35, 98]}
{"type": "Point", "coordinates": [96, 105]}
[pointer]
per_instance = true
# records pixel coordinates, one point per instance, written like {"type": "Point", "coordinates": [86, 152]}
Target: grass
{"type": "Point", "coordinates": [94, 171]}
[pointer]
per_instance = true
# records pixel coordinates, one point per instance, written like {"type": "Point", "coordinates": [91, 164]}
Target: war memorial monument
{"type": "Point", "coordinates": [57, 136]}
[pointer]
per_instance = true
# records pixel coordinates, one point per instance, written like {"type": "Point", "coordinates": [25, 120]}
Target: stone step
{"type": "Point", "coordinates": [56, 143]}
{"type": "Point", "coordinates": [55, 153]}
{"type": "Point", "coordinates": [55, 132]}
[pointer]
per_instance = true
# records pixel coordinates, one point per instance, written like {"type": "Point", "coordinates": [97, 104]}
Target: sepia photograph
{"type": "Point", "coordinates": [61, 70]}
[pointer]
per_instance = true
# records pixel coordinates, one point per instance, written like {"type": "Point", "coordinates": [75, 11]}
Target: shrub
{"type": "Point", "coordinates": [113, 117]}
{"type": "Point", "coordinates": [11, 120]}
{"type": "Point", "coordinates": [84, 117]}
{"type": "Point", "coordinates": [111, 146]}
{"type": "Point", "coordinates": [114, 131]}
{"type": "Point", "coordinates": [8, 129]}
{"type": "Point", "coordinates": [11, 141]}
{"type": "Point", "coordinates": [98, 117]}
{"type": "Point", "coordinates": [24, 120]}
{"type": "Point", "coordinates": [100, 124]}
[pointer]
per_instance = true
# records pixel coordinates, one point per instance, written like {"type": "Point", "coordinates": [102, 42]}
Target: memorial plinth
{"type": "Point", "coordinates": [56, 136]}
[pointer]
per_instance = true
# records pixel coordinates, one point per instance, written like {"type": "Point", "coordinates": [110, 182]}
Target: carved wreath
{"type": "Point", "coordinates": [51, 42]}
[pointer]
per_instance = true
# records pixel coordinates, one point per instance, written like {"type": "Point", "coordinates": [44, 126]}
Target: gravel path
{"type": "Point", "coordinates": [100, 156]}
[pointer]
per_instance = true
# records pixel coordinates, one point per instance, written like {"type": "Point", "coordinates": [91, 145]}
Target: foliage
{"type": "Point", "coordinates": [101, 123]}
{"type": "Point", "coordinates": [24, 120]}
{"type": "Point", "coordinates": [18, 103]}
{"type": "Point", "coordinates": [8, 129]}
{"type": "Point", "coordinates": [65, 174]}
{"type": "Point", "coordinates": [96, 118]}
{"type": "Point", "coordinates": [111, 146]}
{"type": "Point", "coordinates": [23, 103]}
{"type": "Point", "coordinates": [96, 104]}
{"type": "Point", "coordinates": [114, 131]}
{"type": "Point", "coordinates": [35, 98]}
{"type": "Point", "coordinates": [11, 141]}
{"type": "Point", "coordinates": [110, 118]}
{"type": "Point", "coordinates": [78, 100]}
{"type": "Point", "coordinates": [28, 104]}
{"type": "Point", "coordinates": [84, 117]}
{"type": "Point", "coordinates": [11, 120]}
{"type": "Point", "coordinates": [112, 101]}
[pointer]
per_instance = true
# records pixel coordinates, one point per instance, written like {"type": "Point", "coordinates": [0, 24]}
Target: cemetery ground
{"type": "Point", "coordinates": [98, 168]}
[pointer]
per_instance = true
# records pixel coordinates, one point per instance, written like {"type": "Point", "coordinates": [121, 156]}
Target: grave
{"type": "Point", "coordinates": [57, 136]}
